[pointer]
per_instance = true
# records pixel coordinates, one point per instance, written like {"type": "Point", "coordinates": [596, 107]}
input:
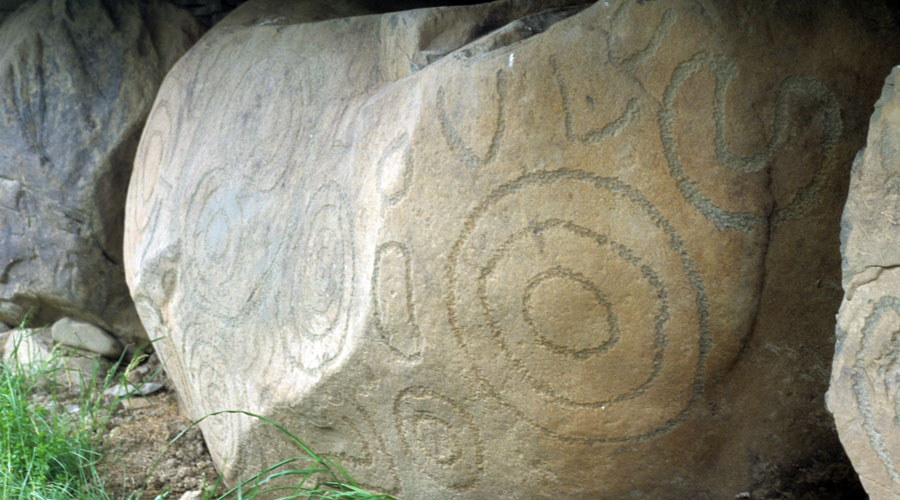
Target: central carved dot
{"type": "Point", "coordinates": [569, 314]}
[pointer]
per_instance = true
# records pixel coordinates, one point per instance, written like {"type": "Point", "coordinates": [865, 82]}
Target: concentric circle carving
{"type": "Point", "coordinates": [321, 272]}
{"type": "Point", "coordinates": [259, 133]}
{"type": "Point", "coordinates": [226, 270]}
{"type": "Point", "coordinates": [578, 304]}
{"type": "Point", "coordinates": [440, 436]}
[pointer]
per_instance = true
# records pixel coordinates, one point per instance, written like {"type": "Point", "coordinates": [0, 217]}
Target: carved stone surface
{"type": "Point", "coordinates": [76, 84]}
{"type": "Point", "coordinates": [509, 250]}
{"type": "Point", "coordinates": [865, 381]}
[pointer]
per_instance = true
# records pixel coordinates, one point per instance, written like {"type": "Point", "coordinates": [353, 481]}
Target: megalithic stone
{"type": "Point", "coordinates": [864, 395]}
{"type": "Point", "coordinates": [511, 250]}
{"type": "Point", "coordinates": [77, 80]}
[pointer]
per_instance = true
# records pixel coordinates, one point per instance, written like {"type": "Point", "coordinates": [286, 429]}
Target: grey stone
{"type": "Point", "coordinates": [11, 313]}
{"type": "Point", "coordinates": [192, 495]}
{"type": "Point", "coordinates": [122, 390]}
{"type": "Point", "coordinates": [864, 394]}
{"type": "Point", "coordinates": [78, 82]}
{"type": "Point", "coordinates": [82, 335]}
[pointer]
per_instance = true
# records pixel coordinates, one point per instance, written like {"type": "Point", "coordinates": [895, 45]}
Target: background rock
{"type": "Point", "coordinates": [86, 336]}
{"type": "Point", "coordinates": [515, 249]}
{"type": "Point", "coordinates": [12, 313]}
{"type": "Point", "coordinates": [865, 381]}
{"type": "Point", "coordinates": [208, 12]}
{"type": "Point", "coordinates": [77, 84]}
{"type": "Point", "coordinates": [8, 6]}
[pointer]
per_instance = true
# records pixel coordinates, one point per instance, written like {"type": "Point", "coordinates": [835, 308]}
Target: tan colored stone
{"type": "Point", "coordinates": [513, 249]}
{"type": "Point", "coordinates": [80, 369]}
{"type": "Point", "coordinates": [865, 381]}
{"type": "Point", "coordinates": [136, 403]}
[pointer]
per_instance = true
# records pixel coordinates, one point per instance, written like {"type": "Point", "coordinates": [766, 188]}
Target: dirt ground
{"type": "Point", "coordinates": [135, 441]}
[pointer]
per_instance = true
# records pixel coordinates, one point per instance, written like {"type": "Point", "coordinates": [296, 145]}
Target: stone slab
{"type": "Point", "coordinates": [543, 249]}
{"type": "Point", "coordinates": [78, 82]}
{"type": "Point", "coordinates": [82, 335]}
{"type": "Point", "coordinates": [864, 394]}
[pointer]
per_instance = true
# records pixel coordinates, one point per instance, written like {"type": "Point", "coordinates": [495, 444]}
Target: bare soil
{"type": "Point", "coordinates": [135, 443]}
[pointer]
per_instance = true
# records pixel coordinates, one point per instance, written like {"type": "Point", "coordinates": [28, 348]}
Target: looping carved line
{"type": "Point", "coordinates": [463, 268]}
{"type": "Point", "coordinates": [593, 136]}
{"type": "Point", "coordinates": [861, 381]}
{"type": "Point", "coordinates": [627, 255]}
{"type": "Point", "coordinates": [344, 429]}
{"type": "Point", "coordinates": [322, 274]}
{"type": "Point", "coordinates": [463, 466]}
{"type": "Point", "coordinates": [386, 327]}
{"type": "Point", "coordinates": [724, 71]}
{"type": "Point", "coordinates": [629, 63]}
{"type": "Point", "coordinates": [219, 223]}
{"type": "Point", "coordinates": [466, 155]}
{"type": "Point", "coordinates": [394, 196]}
{"type": "Point", "coordinates": [560, 272]}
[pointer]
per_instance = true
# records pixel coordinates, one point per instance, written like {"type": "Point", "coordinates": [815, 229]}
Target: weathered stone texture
{"type": "Point", "coordinates": [517, 250]}
{"type": "Point", "coordinates": [865, 381]}
{"type": "Point", "coordinates": [81, 335]}
{"type": "Point", "coordinates": [76, 84]}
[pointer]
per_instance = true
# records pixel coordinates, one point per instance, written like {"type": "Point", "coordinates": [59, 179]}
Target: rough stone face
{"type": "Point", "coordinates": [515, 250]}
{"type": "Point", "coordinates": [865, 380]}
{"type": "Point", "coordinates": [12, 313]}
{"type": "Point", "coordinates": [76, 84]}
{"type": "Point", "coordinates": [83, 335]}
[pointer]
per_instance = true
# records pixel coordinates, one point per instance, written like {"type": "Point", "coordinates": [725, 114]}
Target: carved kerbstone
{"type": "Point", "coordinates": [865, 380]}
{"type": "Point", "coordinates": [515, 250]}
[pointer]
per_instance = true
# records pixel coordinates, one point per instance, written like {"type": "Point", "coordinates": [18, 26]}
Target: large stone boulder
{"type": "Point", "coordinates": [77, 81]}
{"type": "Point", "coordinates": [865, 380]}
{"type": "Point", "coordinates": [517, 250]}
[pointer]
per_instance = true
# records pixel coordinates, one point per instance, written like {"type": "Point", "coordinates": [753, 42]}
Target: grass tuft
{"type": "Point", "coordinates": [316, 477]}
{"type": "Point", "coordinates": [49, 445]}
{"type": "Point", "coordinates": [47, 450]}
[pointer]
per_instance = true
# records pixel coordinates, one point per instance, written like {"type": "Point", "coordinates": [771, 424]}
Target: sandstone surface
{"type": "Point", "coordinates": [76, 84]}
{"type": "Point", "coordinates": [517, 250]}
{"type": "Point", "coordinates": [865, 381]}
